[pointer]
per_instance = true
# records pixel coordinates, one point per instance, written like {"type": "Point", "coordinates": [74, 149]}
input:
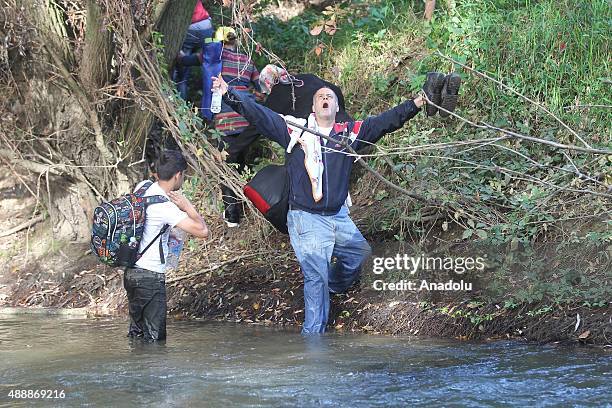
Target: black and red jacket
{"type": "Point", "coordinates": [337, 163]}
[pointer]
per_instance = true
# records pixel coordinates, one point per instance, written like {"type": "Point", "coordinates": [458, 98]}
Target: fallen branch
{"type": "Point", "coordinates": [548, 142]}
{"type": "Point", "coordinates": [544, 108]}
{"type": "Point", "coordinates": [212, 268]}
{"type": "Point", "coordinates": [8, 163]}
{"type": "Point", "coordinates": [22, 226]}
{"type": "Point", "coordinates": [27, 164]}
{"type": "Point", "coordinates": [515, 174]}
{"type": "Point", "coordinates": [359, 160]}
{"type": "Point", "coordinates": [587, 106]}
{"type": "Point", "coordinates": [487, 126]}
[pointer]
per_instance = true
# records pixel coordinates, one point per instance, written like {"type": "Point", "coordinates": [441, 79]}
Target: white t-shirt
{"type": "Point", "coordinates": [158, 215]}
{"type": "Point", "coordinates": [326, 132]}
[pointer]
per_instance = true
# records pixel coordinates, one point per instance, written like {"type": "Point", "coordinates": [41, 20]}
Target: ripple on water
{"type": "Point", "coordinates": [224, 364]}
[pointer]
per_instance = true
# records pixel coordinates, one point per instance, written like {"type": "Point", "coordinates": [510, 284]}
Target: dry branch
{"type": "Point", "coordinates": [22, 226]}
{"type": "Point", "coordinates": [215, 267]}
{"type": "Point", "coordinates": [365, 165]}
{"type": "Point", "coordinates": [544, 108]}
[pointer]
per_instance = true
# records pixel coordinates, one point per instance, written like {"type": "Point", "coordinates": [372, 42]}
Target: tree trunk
{"type": "Point", "coordinates": [175, 18]}
{"type": "Point", "coordinates": [173, 25]}
{"type": "Point", "coordinates": [49, 19]}
{"type": "Point", "coordinates": [430, 6]}
{"type": "Point", "coordinates": [70, 209]}
{"type": "Point", "coordinates": [71, 142]}
{"type": "Point", "coordinates": [97, 51]}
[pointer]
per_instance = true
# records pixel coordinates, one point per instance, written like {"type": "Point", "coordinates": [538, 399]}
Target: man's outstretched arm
{"type": "Point", "coordinates": [375, 127]}
{"type": "Point", "coordinates": [269, 123]}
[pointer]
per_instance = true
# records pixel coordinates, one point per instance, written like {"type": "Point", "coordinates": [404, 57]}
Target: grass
{"type": "Point", "coordinates": [554, 52]}
{"type": "Point", "coordinates": [557, 55]}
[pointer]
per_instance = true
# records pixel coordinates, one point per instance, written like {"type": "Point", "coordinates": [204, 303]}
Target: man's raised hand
{"type": "Point", "coordinates": [219, 84]}
{"type": "Point", "coordinates": [180, 200]}
{"type": "Point", "coordinates": [419, 101]}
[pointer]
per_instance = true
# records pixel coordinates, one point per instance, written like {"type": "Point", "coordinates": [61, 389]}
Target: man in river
{"type": "Point", "coordinates": [145, 284]}
{"type": "Point", "coordinates": [318, 220]}
{"type": "Point", "coordinates": [288, 95]}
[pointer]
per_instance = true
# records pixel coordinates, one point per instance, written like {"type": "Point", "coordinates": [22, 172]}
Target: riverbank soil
{"type": "Point", "coordinates": [237, 278]}
{"type": "Point", "coordinates": [37, 270]}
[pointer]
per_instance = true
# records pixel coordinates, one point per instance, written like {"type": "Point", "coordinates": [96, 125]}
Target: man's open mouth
{"type": "Point", "coordinates": [325, 105]}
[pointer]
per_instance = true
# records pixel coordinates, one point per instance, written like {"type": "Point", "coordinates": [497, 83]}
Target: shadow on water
{"type": "Point", "coordinates": [212, 364]}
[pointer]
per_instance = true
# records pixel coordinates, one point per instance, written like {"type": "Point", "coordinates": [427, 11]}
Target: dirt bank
{"type": "Point", "coordinates": [253, 293]}
{"type": "Point", "coordinates": [248, 276]}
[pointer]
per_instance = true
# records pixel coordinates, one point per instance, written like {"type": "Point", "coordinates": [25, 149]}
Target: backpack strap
{"type": "Point", "coordinates": [148, 201]}
{"type": "Point", "coordinates": [154, 200]}
{"type": "Point", "coordinates": [161, 250]}
{"type": "Point", "coordinates": [140, 192]}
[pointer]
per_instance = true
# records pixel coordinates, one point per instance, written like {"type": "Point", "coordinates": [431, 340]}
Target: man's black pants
{"type": "Point", "coordinates": [146, 292]}
{"type": "Point", "coordinates": [236, 147]}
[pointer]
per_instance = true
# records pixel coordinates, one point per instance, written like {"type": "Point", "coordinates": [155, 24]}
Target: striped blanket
{"type": "Point", "coordinates": [239, 72]}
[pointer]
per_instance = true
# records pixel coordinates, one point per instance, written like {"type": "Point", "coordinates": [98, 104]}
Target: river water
{"type": "Point", "coordinates": [213, 364]}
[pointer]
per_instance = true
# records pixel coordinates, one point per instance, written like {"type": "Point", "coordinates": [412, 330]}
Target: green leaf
{"type": "Point", "coordinates": [467, 233]}
{"type": "Point", "coordinates": [381, 195]}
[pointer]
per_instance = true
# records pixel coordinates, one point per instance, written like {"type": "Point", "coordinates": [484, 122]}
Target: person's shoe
{"type": "Point", "coordinates": [433, 89]}
{"type": "Point", "coordinates": [450, 94]}
{"type": "Point", "coordinates": [231, 220]}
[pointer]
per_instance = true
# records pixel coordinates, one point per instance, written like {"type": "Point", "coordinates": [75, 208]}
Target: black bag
{"type": "Point", "coordinates": [269, 192]}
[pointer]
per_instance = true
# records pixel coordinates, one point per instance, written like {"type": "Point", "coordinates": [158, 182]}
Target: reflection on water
{"type": "Point", "coordinates": [210, 364]}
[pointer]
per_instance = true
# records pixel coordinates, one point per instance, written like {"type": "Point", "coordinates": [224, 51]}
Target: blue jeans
{"type": "Point", "coordinates": [196, 34]}
{"type": "Point", "coordinates": [315, 240]}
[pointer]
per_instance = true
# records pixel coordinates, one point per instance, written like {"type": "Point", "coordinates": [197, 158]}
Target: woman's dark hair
{"type": "Point", "coordinates": [169, 163]}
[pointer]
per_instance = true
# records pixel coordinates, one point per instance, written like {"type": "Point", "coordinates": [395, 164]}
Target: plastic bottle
{"type": "Point", "coordinates": [176, 239]}
{"type": "Point", "coordinates": [133, 242]}
{"type": "Point", "coordinates": [215, 103]}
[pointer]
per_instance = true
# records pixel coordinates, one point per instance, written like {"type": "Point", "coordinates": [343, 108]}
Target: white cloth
{"type": "Point", "coordinates": [158, 215]}
{"type": "Point", "coordinates": [311, 145]}
{"type": "Point", "coordinates": [312, 151]}
{"type": "Point", "coordinates": [272, 75]}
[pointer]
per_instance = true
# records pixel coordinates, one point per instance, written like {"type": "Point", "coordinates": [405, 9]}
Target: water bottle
{"type": "Point", "coordinates": [215, 103]}
{"type": "Point", "coordinates": [176, 240]}
{"type": "Point", "coordinates": [134, 243]}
